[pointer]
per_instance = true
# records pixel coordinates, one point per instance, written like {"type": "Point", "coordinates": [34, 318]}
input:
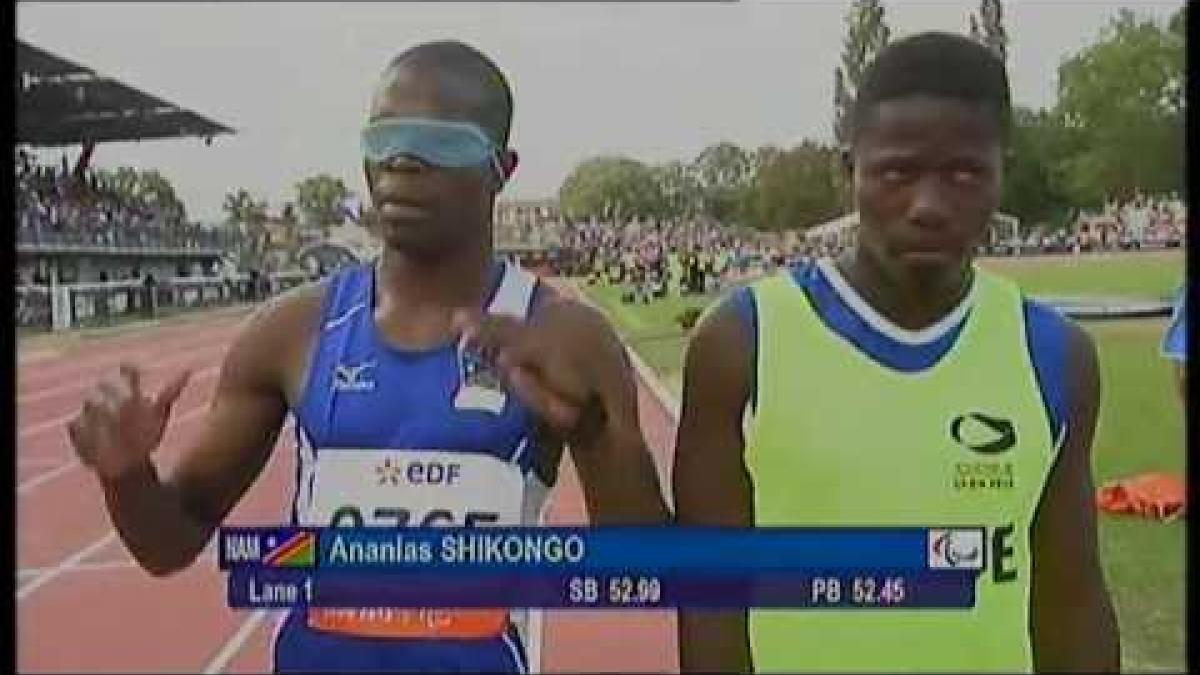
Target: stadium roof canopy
{"type": "Point", "coordinates": [60, 102]}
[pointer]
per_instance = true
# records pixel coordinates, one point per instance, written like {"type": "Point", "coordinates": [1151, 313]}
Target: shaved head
{"type": "Point", "coordinates": [461, 82]}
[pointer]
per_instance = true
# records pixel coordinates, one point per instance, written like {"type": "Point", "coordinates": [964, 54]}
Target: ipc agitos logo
{"type": "Point", "coordinates": [956, 549]}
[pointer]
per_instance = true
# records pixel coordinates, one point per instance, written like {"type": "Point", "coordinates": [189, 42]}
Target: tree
{"type": "Point", "coordinates": [613, 188]}
{"type": "Point", "coordinates": [1034, 186]}
{"type": "Point", "coordinates": [142, 189]}
{"type": "Point", "coordinates": [679, 188]}
{"type": "Point", "coordinates": [723, 172]}
{"type": "Point", "coordinates": [987, 27]}
{"type": "Point", "coordinates": [249, 216]}
{"type": "Point", "coordinates": [795, 188]}
{"type": "Point", "coordinates": [241, 208]}
{"type": "Point", "coordinates": [155, 189]}
{"type": "Point", "coordinates": [866, 34]}
{"type": "Point", "coordinates": [764, 156]}
{"type": "Point", "coordinates": [1123, 99]}
{"type": "Point", "coordinates": [121, 182]}
{"type": "Point", "coordinates": [319, 199]}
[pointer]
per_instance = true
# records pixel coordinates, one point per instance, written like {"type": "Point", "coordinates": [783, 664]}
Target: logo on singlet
{"type": "Point", "coordinates": [354, 377]}
{"type": "Point", "coordinates": [389, 473]}
{"type": "Point", "coordinates": [983, 433]}
{"type": "Point", "coordinates": [479, 384]}
{"type": "Point", "coordinates": [987, 437]}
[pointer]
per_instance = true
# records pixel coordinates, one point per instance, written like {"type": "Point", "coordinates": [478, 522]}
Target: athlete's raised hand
{"type": "Point", "coordinates": [533, 364]}
{"type": "Point", "coordinates": [119, 425]}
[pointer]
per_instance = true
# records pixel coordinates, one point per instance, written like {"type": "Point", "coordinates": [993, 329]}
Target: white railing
{"type": "Point", "coordinates": [67, 306]}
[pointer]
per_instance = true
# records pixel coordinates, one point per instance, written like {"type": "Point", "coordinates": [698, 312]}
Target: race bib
{"type": "Point", "coordinates": [412, 488]}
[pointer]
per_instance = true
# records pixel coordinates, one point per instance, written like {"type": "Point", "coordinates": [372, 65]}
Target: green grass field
{"type": "Point", "coordinates": [1140, 428]}
{"type": "Point", "coordinates": [1144, 275]}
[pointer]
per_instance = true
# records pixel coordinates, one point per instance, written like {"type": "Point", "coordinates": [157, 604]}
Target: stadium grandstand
{"type": "Point", "coordinates": [88, 252]}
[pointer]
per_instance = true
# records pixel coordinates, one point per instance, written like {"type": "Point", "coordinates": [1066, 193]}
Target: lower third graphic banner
{"type": "Point", "coordinates": [861, 589]}
{"type": "Point", "coordinates": [622, 567]}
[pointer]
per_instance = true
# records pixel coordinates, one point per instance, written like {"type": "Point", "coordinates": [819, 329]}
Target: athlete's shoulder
{"type": "Point", "coordinates": [569, 313]}
{"type": "Point", "coordinates": [743, 301]}
{"type": "Point", "coordinates": [1062, 353]}
{"type": "Point", "coordinates": [1043, 317]}
{"type": "Point", "coordinates": [294, 308]}
{"type": "Point", "coordinates": [288, 322]}
{"type": "Point", "coordinates": [999, 284]}
{"type": "Point", "coordinates": [1046, 323]}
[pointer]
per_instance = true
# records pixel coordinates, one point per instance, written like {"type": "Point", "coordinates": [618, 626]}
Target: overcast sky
{"type": "Point", "coordinates": [653, 81]}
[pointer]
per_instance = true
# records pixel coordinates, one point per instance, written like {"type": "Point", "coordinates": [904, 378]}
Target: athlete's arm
{"type": "Point", "coordinates": [568, 365]}
{"type": "Point", "coordinates": [1073, 624]}
{"type": "Point", "coordinates": [616, 470]}
{"type": "Point", "coordinates": [165, 522]}
{"type": "Point", "coordinates": [710, 481]}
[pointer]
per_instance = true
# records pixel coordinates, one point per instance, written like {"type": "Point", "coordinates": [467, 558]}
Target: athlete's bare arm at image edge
{"type": "Point", "coordinates": [166, 522]}
{"type": "Point", "coordinates": [711, 483]}
{"type": "Point", "coordinates": [616, 470]}
{"type": "Point", "coordinates": [1073, 625]}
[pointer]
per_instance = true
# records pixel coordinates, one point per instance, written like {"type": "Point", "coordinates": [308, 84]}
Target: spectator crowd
{"type": "Point", "coordinates": [651, 259]}
{"type": "Point", "coordinates": [57, 206]}
{"type": "Point", "coordinates": [1141, 222]}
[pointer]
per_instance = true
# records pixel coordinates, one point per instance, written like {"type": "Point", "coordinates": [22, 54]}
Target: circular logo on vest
{"type": "Point", "coordinates": [983, 433]}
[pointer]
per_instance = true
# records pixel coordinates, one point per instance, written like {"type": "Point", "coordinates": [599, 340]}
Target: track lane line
{"type": "Point", "coordinates": [77, 360]}
{"type": "Point", "coordinates": [234, 644]}
{"type": "Point", "coordinates": [56, 571]}
{"type": "Point", "coordinates": [29, 485]}
{"type": "Point", "coordinates": [33, 579]}
{"type": "Point", "coordinates": [172, 355]}
{"type": "Point", "coordinates": [36, 428]}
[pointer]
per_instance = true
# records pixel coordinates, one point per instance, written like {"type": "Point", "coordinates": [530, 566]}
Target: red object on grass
{"type": "Point", "coordinates": [1154, 495]}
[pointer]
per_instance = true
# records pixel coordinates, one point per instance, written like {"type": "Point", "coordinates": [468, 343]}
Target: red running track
{"type": "Point", "coordinates": [82, 604]}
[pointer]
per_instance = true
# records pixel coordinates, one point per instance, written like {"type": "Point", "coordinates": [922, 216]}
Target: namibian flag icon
{"type": "Point", "coordinates": [299, 550]}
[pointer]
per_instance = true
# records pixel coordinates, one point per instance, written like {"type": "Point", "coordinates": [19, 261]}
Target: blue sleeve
{"type": "Point", "coordinates": [1175, 341]}
{"type": "Point", "coordinates": [1046, 331]}
{"type": "Point", "coordinates": [742, 302]}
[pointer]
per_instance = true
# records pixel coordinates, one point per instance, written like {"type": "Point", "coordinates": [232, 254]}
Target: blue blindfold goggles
{"type": "Point", "coordinates": [439, 143]}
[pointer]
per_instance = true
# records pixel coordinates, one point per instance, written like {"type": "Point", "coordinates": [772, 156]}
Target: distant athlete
{"type": "Point", "coordinates": [901, 385]}
{"type": "Point", "coordinates": [434, 354]}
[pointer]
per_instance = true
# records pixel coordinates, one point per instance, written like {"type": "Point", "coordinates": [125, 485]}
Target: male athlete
{"type": "Point", "coordinates": [901, 385]}
{"type": "Point", "coordinates": [434, 355]}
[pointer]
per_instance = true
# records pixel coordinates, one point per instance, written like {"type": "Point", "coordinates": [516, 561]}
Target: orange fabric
{"type": "Point", "coordinates": [411, 623]}
{"type": "Point", "coordinates": [1152, 495]}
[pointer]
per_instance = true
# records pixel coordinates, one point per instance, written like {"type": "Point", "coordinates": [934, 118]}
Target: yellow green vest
{"type": "Point", "coordinates": [840, 440]}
